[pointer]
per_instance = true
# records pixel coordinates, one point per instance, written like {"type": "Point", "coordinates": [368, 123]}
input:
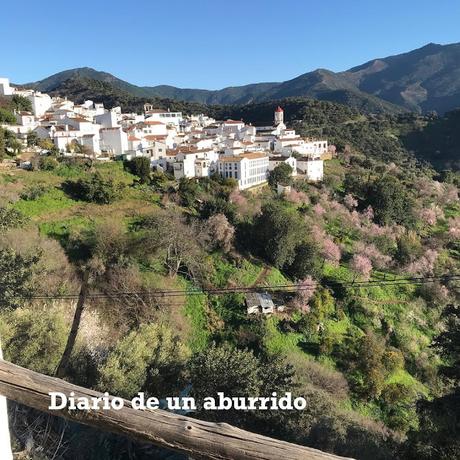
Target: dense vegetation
{"type": "Point", "coordinates": [387, 137]}
{"type": "Point", "coordinates": [376, 363]}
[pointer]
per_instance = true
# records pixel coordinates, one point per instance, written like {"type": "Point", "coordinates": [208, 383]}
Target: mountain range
{"type": "Point", "coordinates": [423, 80]}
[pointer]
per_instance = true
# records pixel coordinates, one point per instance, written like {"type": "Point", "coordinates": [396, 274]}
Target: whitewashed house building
{"type": "Point", "coordinates": [41, 103]}
{"type": "Point", "coordinates": [5, 88]}
{"type": "Point", "coordinates": [113, 141]}
{"type": "Point", "coordinates": [248, 169]}
{"type": "Point", "coordinates": [312, 168]}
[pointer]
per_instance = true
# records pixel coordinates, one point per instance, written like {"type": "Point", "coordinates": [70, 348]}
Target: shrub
{"type": "Point", "coordinates": [323, 378]}
{"type": "Point", "coordinates": [95, 189]}
{"type": "Point", "coordinates": [48, 164]}
{"type": "Point", "coordinates": [218, 205]}
{"type": "Point", "coordinates": [306, 261]}
{"type": "Point", "coordinates": [6, 116]}
{"type": "Point", "coordinates": [282, 175]}
{"type": "Point", "coordinates": [390, 201]}
{"type": "Point", "coordinates": [140, 167]}
{"type": "Point", "coordinates": [409, 248]}
{"type": "Point", "coordinates": [34, 192]}
{"type": "Point", "coordinates": [10, 218]}
{"type": "Point", "coordinates": [188, 191]}
{"type": "Point", "coordinates": [35, 339]}
{"type": "Point", "coordinates": [150, 359]}
{"type": "Point", "coordinates": [15, 277]}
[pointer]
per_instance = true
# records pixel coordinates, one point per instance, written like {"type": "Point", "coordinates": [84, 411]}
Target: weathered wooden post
{"type": "Point", "coordinates": [5, 441]}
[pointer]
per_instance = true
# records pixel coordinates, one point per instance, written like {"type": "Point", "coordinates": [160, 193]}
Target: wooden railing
{"type": "Point", "coordinates": [199, 439]}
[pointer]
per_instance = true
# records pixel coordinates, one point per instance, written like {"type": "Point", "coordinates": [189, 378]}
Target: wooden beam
{"type": "Point", "coordinates": [197, 438]}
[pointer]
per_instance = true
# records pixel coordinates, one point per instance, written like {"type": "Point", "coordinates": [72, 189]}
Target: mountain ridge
{"type": "Point", "coordinates": [422, 80]}
{"type": "Point", "coordinates": [321, 84]}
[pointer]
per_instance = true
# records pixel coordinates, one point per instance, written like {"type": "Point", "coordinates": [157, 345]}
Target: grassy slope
{"type": "Point", "coordinates": [56, 215]}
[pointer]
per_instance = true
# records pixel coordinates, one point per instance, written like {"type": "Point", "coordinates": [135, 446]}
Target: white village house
{"type": "Point", "coordinates": [248, 169]}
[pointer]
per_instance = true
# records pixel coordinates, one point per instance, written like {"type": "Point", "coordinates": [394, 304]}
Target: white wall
{"type": "Point", "coordinates": [313, 169]}
{"type": "Point", "coordinates": [154, 128]}
{"type": "Point", "coordinates": [165, 117]}
{"type": "Point", "coordinates": [92, 143]}
{"type": "Point", "coordinates": [107, 119]}
{"type": "Point", "coordinates": [40, 103]}
{"type": "Point", "coordinates": [5, 88]}
{"type": "Point", "coordinates": [115, 140]}
{"type": "Point", "coordinates": [248, 172]}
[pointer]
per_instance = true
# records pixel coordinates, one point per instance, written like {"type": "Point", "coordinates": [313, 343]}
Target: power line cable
{"type": "Point", "coordinates": [294, 287]}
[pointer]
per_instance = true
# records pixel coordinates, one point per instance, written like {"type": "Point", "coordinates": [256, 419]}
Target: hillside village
{"type": "Point", "coordinates": [334, 288]}
{"type": "Point", "coordinates": [193, 146]}
{"type": "Point", "coordinates": [230, 231]}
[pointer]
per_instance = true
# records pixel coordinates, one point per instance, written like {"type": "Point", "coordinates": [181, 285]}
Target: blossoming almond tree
{"type": "Point", "coordinates": [362, 266]}
{"type": "Point", "coordinates": [331, 251]}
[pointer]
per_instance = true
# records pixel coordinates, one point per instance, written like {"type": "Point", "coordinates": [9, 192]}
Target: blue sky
{"type": "Point", "coordinates": [214, 43]}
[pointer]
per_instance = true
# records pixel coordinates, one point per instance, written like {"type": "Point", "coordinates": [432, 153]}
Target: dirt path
{"type": "Point", "coordinates": [262, 275]}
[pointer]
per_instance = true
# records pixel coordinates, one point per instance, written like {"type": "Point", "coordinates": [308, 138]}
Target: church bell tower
{"type": "Point", "coordinates": [279, 116]}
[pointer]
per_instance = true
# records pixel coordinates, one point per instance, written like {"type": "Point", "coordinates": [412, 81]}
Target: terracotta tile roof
{"type": "Point", "coordinates": [248, 156]}
{"type": "Point", "coordinates": [153, 137]}
{"type": "Point", "coordinates": [233, 122]}
{"type": "Point", "coordinates": [230, 159]}
{"type": "Point", "coordinates": [80, 120]}
{"type": "Point", "coordinates": [255, 155]}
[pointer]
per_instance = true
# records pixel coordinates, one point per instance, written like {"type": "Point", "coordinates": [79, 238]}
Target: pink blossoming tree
{"type": "Point", "coordinates": [350, 202]}
{"type": "Point", "coordinates": [305, 291]}
{"type": "Point", "coordinates": [331, 251]}
{"type": "Point", "coordinates": [362, 266]}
